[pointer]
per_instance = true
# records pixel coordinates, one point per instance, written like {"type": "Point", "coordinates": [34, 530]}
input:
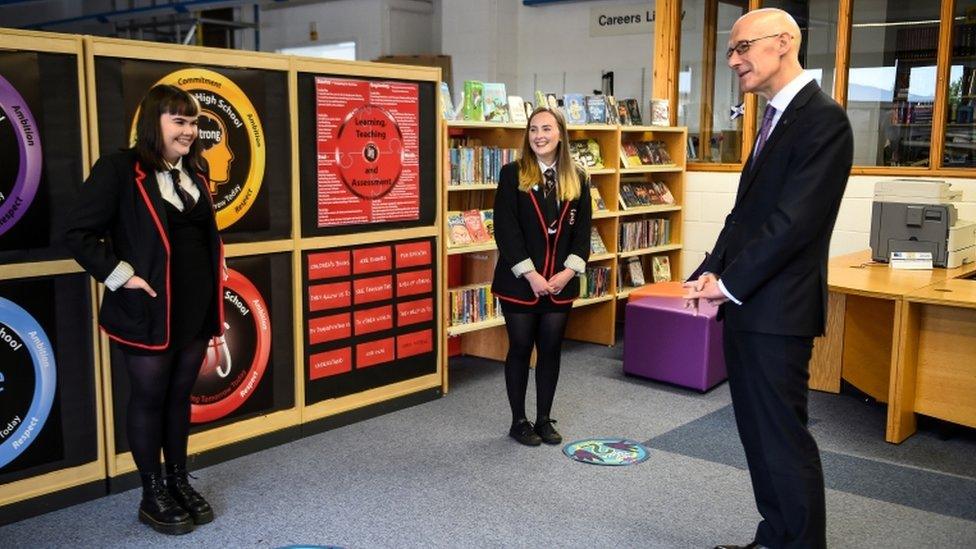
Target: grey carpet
{"type": "Point", "coordinates": [443, 474]}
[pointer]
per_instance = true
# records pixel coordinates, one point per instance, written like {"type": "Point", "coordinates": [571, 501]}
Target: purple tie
{"type": "Point", "coordinates": [767, 124]}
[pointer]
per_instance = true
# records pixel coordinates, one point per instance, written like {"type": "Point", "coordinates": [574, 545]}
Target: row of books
{"type": "Point", "coordinates": [470, 227]}
{"type": "Point", "coordinates": [644, 193]}
{"type": "Point", "coordinates": [632, 272]}
{"type": "Point", "coordinates": [595, 282]}
{"type": "Point", "coordinates": [634, 154]}
{"type": "Point", "coordinates": [489, 102]}
{"type": "Point", "coordinates": [644, 233]}
{"type": "Point", "coordinates": [472, 162]}
{"type": "Point", "coordinates": [473, 303]}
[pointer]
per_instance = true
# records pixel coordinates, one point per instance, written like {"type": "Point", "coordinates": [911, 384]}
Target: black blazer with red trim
{"type": "Point", "coordinates": [520, 233]}
{"type": "Point", "coordinates": [120, 215]}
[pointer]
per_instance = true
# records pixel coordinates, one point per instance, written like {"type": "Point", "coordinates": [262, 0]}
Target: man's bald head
{"type": "Point", "coordinates": [764, 51]}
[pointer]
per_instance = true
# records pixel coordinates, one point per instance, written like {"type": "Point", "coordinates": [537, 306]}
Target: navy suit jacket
{"type": "Point", "coordinates": [772, 252]}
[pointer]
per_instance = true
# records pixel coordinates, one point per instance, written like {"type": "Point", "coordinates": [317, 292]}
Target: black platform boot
{"type": "Point", "coordinates": [159, 510]}
{"type": "Point", "coordinates": [189, 499]}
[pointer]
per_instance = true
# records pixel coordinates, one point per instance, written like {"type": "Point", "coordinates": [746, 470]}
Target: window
{"type": "Point", "coordinates": [891, 81]}
{"type": "Point", "coordinates": [960, 129]}
{"type": "Point", "coordinates": [707, 90]}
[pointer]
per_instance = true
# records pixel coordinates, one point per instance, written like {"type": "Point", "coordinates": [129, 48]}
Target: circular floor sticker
{"type": "Point", "coordinates": [606, 451]}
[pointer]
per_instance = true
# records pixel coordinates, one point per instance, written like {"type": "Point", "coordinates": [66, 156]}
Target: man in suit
{"type": "Point", "coordinates": [768, 270]}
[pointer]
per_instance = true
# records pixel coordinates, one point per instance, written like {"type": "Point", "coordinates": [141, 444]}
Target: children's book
{"type": "Point", "coordinates": [447, 106]}
{"type": "Point", "coordinates": [596, 109]}
{"type": "Point", "coordinates": [574, 105]}
{"type": "Point", "coordinates": [457, 230]}
{"type": "Point", "coordinates": [495, 102]}
{"type": "Point", "coordinates": [474, 103]}
{"type": "Point", "coordinates": [661, 268]}
{"type": "Point", "coordinates": [516, 109]}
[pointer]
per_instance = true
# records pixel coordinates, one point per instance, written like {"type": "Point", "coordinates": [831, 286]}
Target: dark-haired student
{"type": "Point", "coordinates": [542, 228]}
{"type": "Point", "coordinates": [144, 226]}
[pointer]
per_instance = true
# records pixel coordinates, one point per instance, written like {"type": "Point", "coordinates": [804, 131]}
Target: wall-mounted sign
{"type": "Point", "coordinates": [618, 20]}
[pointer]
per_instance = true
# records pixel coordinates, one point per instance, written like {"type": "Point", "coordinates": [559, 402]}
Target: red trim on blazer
{"type": "Point", "coordinates": [140, 177]}
{"type": "Point", "coordinates": [558, 231]}
{"type": "Point", "coordinates": [514, 300]}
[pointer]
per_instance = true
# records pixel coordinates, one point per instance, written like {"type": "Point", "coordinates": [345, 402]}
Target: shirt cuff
{"type": "Point", "coordinates": [522, 267]}
{"type": "Point", "coordinates": [122, 273]}
{"type": "Point", "coordinates": [728, 294]}
{"type": "Point", "coordinates": [575, 263]}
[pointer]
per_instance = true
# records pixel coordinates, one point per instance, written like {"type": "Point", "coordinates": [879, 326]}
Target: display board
{"type": "Point", "coordinates": [63, 385]}
{"type": "Point", "coordinates": [41, 154]}
{"type": "Point", "coordinates": [51, 436]}
{"type": "Point", "coordinates": [371, 165]}
{"type": "Point", "coordinates": [370, 312]}
{"type": "Point", "coordinates": [246, 141]}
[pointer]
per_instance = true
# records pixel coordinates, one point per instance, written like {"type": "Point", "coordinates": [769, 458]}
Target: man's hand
{"type": "Point", "coordinates": [540, 286]}
{"type": "Point", "coordinates": [705, 287]}
{"type": "Point", "coordinates": [138, 283]}
{"type": "Point", "coordinates": [561, 279]}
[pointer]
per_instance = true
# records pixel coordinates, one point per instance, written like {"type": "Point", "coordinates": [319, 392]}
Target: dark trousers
{"type": "Point", "coordinates": [768, 377]}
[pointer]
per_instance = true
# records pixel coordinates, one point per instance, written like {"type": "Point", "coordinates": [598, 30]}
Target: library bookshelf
{"type": "Point", "coordinates": [471, 265]}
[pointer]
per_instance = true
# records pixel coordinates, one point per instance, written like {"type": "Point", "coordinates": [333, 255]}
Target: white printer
{"type": "Point", "coordinates": [919, 215]}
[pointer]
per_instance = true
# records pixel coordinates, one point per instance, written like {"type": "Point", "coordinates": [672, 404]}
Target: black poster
{"type": "Point", "coordinates": [370, 316]}
{"type": "Point", "coordinates": [40, 153]}
{"type": "Point", "coordinates": [249, 370]}
{"type": "Point", "coordinates": [310, 106]}
{"type": "Point", "coordinates": [244, 129]}
{"type": "Point", "coordinates": [47, 381]}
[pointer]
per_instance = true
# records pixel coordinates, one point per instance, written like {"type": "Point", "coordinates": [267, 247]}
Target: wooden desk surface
{"type": "Point", "coordinates": [855, 273]}
{"type": "Point", "coordinates": [951, 293]}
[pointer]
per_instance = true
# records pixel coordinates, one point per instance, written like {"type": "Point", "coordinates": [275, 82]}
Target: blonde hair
{"type": "Point", "coordinates": [567, 172]}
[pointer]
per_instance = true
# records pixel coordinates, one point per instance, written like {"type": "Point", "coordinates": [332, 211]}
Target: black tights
{"type": "Point", "coordinates": [159, 404]}
{"type": "Point", "coordinates": [544, 331]}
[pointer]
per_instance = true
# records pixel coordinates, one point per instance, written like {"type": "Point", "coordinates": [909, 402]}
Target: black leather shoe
{"type": "Point", "coordinates": [159, 510]}
{"type": "Point", "coordinates": [752, 545]}
{"type": "Point", "coordinates": [188, 498]}
{"type": "Point", "coordinates": [523, 432]}
{"type": "Point", "coordinates": [547, 432]}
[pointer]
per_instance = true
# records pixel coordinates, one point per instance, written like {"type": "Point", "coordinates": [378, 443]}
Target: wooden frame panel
{"type": "Point", "coordinates": [54, 481]}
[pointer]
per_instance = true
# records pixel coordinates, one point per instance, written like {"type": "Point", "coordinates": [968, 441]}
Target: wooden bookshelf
{"type": "Point", "coordinates": [593, 319]}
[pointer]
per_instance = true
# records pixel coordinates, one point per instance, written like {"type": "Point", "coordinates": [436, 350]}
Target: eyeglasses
{"type": "Point", "coordinates": [742, 46]}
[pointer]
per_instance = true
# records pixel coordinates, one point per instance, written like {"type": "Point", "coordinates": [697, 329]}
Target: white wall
{"type": "Point", "coordinates": [544, 47]}
{"type": "Point", "coordinates": [709, 197]}
{"type": "Point", "coordinates": [379, 27]}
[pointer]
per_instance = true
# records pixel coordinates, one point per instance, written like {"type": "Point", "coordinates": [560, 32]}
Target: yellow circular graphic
{"type": "Point", "coordinates": [231, 133]}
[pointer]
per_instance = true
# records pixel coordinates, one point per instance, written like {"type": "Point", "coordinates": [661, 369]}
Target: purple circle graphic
{"type": "Point", "coordinates": [29, 145]}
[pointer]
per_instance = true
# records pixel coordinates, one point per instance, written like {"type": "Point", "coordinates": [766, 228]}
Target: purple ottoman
{"type": "Point", "coordinates": [666, 342]}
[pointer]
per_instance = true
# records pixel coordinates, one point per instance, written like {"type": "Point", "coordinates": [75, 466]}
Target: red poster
{"type": "Point", "coordinates": [329, 328]}
{"type": "Point", "coordinates": [412, 312]}
{"type": "Point", "coordinates": [412, 255]}
{"type": "Point", "coordinates": [328, 265]}
{"type": "Point", "coordinates": [416, 343]}
{"type": "Point", "coordinates": [374, 352]}
{"type": "Point", "coordinates": [330, 363]}
{"type": "Point", "coordinates": [368, 151]}
{"type": "Point", "coordinates": [373, 320]}
{"type": "Point", "coordinates": [414, 283]}
{"type": "Point", "coordinates": [371, 260]}
{"type": "Point", "coordinates": [329, 296]}
{"type": "Point", "coordinates": [376, 288]}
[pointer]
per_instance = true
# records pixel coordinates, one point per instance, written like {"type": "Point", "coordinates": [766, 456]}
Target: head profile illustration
{"type": "Point", "coordinates": [216, 148]}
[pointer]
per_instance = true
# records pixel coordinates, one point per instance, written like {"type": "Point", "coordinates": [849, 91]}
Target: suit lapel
{"type": "Point", "coordinates": [752, 167]}
{"type": "Point", "coordinates": [151, 186]}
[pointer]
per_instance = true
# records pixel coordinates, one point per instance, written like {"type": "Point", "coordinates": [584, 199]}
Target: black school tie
{"type": "Point", "coordinates": [185, 197]}
{"type": "Point", "coordinates": [550, 177]}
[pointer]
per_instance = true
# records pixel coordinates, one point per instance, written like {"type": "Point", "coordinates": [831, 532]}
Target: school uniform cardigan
{"type": "Point", "coordinates": [521, 233]}
{"type": "Point", "coordinates": [121, 216]}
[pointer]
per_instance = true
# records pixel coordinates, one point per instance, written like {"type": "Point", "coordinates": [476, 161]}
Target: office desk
{"type": "Point", "coordinates": [867, 332]}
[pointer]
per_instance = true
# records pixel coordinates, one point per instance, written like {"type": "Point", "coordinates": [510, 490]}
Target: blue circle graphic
{"type": "Point", "coordinates": [606, 451]}
{"type": "Point", "coordinates": [38, 345]}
